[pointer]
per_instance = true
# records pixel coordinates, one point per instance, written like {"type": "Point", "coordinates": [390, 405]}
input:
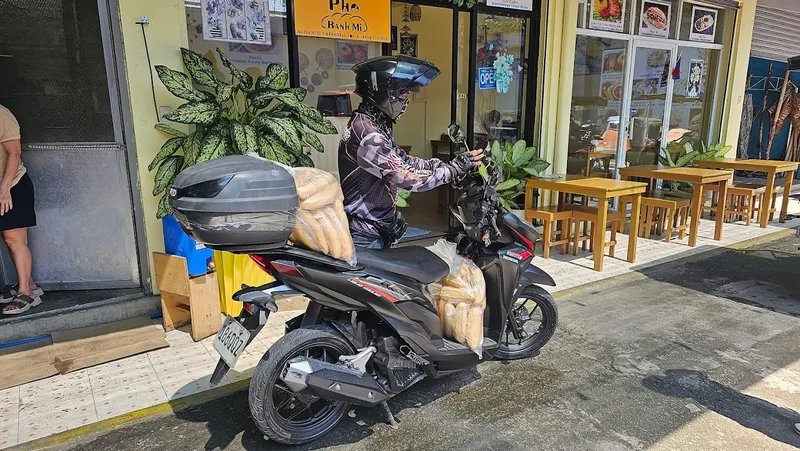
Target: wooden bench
{"type": "Point", "coordinates": [549, 216]}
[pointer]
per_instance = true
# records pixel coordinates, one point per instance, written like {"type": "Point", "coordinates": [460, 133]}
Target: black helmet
{"type": "Point", "coordinates": [382, 80]}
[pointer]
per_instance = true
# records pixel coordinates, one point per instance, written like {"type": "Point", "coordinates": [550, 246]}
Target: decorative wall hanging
{"type": "Point", "coordinates": [408, 45]}
{"type": "Point", "coordinates": [416, 13]}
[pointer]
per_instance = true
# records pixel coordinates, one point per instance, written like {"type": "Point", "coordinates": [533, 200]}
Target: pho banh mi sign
{"type": "Point", "coordinates": [361, 20]}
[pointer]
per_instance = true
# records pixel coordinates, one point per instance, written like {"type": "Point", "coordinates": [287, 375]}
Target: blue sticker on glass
{"type": "Point", "coordinates": [486, 78]}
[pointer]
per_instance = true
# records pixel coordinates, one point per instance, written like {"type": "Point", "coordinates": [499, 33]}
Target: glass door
{"type": "Point", "coordinates": [499, 77]}
{"type": "Point", "coordinates": [646, 108]}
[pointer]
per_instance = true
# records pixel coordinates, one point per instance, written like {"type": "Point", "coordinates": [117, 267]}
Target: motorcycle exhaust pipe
{"type": "Point", "coordinates": [336, 382]}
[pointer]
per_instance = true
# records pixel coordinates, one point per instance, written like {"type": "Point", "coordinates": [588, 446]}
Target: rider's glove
{"type": "Point", "coordinates": [466, 163]}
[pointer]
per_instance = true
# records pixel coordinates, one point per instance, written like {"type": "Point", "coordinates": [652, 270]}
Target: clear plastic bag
{"type": "Point", "coordinates": [460, 297]}
{"type": "Point", "coordinates": [321, 223]}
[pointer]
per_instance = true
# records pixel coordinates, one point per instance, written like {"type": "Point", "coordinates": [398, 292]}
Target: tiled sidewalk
{"type": "Point", "coordinates": [60, 403]}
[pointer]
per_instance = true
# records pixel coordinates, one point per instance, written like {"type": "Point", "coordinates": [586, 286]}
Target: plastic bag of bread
{"type": "Point", "coordinates": [322, 224]}
{"type": "Point", "coordinates": [460, 298]}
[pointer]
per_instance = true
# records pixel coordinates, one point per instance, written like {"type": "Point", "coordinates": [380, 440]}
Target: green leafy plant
{"type": "Point", "coordinates": [517, 162]}
{"type": "Point", "coordinates": [260, 116]}
{"type": "Point", "coordinates": [690, 155]}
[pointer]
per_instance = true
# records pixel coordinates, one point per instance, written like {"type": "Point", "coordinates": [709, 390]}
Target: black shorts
{"type": "Point", "coordinates": [22, 214]}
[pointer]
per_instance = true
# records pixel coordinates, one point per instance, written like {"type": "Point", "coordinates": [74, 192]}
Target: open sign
{"type": "Point", "coordinates": [486, 78]}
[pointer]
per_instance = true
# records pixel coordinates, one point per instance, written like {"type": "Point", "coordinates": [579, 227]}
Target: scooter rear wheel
{"type": "Point", "coordinates": [536, 314]}
{"type": "Point", "coordinates": [296, 418]}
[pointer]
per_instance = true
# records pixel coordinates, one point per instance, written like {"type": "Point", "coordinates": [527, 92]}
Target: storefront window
{"type": "Point", "coordinates": [630, 96]}
{"type": "Point", "coordinates": [596, 98]}
{"type": "Point", "coordinates": [500, 77]}
{"type": "Point", "coordinates": [53, 74]}
{"type": "Point", "coordinates": [253, 58]}
{"type": "Point", "coordinates": [691, 119]}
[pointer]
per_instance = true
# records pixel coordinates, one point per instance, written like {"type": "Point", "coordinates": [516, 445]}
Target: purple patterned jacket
{"type": "Point", "coordinates": [372, 168]}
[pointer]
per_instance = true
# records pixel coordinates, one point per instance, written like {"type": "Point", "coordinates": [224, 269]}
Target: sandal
{"type": "Point", "coordinates": [21, 304]}
{"type": "Point", "coordinates": [9, 296]}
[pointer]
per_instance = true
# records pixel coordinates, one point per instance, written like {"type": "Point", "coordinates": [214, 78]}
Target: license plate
{"type": "Point", "coordinates": [231, 340]}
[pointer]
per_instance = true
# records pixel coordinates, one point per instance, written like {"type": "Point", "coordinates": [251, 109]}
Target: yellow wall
{"type": "Point", "coordinates": [428, 114]}
{"type": "Point", "coordinates": [737, 75]}
{"type": "Point", "coordinates": [165, 34]}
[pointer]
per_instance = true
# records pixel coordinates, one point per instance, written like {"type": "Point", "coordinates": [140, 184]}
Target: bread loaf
{"type": "Point", "coordinates": [461, 323]}
{"type": "Point", "coordinates": [314, 228]}
{"type": "Point", "coordinates": [475, 327]}
{"type": "Point", "coordinates": [449, 317]}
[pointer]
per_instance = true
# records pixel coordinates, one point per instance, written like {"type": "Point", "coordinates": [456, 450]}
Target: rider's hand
{"type": "Point", "coordinates": [466, 162]}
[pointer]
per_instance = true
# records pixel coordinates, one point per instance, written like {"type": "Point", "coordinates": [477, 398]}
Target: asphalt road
{"type": "Point", "coordinates": [702, 354]}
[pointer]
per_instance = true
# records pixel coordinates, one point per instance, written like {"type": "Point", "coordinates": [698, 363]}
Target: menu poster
{"type": "Point", "coordinates": [694, 84]}
{"type": "Point", "coordinates": [655, 19]}
{"type": "Point", "coordinates": [704, 24]}
{"type": "Point", "coordinates": [611, 74]}
{"type": "Point", "coordinates": [608, 15]}
{"type": "Point", "coordinates": [244, 21]}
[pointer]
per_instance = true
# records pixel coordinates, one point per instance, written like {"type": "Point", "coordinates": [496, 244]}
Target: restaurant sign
{"type": "Point", "coordinates": [361, 20]}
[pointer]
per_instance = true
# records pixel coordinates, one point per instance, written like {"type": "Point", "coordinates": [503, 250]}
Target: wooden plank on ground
{"type": "Point", "coordinates": [81, 348]}
{"type": "Point", "coordinates": [26, 363]}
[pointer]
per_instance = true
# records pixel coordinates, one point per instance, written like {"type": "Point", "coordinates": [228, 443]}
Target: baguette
{"type": "Point", "coordinates": [449, 318]}
{"type": "Point", "coordinates": [343, 226]}
{"type": "Point", "coordinates": [460, 323]}
{"type": "Point", "coordinates": [456, 295]}
{"type": "Point", "coordinates": [440, 309]}
{"type": "Point", "coordinates": [314, 229]}
{"type": "Point", "coordinates": [329, 233]}
{"type": "Point", "coordinates": [475, 327]}
{"type": "Point", "coordinates": [310, 181]}
{"type": "Point", "coordinates": [318, 201]}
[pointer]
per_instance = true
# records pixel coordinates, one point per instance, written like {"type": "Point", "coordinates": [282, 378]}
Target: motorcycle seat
{"type": "Point", "coordinates": [414, 262]}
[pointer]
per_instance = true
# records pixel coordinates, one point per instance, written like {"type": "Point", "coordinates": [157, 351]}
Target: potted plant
{"type": "Point", "coordinates": [246, 116]}
{"type": "Point", "coordinates": [517, 162]}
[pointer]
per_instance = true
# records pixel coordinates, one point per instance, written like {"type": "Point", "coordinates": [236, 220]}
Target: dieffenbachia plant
{"type": "Point", "coordinates": [245, 116]}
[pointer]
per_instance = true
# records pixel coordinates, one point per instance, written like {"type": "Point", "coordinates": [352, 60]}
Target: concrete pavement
{"type": "Point", "coordinates": [698, 354]}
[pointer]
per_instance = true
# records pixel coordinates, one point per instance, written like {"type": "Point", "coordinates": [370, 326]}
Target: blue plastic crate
{"type": "Point", "coordinates": [177, 242]}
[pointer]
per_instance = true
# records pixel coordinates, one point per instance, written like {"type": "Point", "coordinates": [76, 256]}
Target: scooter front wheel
{"type": "Point", "coordinates": [536, 317]}
{"type": "Point", "coordinates": [283, 415]}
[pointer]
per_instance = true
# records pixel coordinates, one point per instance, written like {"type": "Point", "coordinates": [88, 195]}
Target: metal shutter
{"type": "Point", "coordinates": [775, 35]}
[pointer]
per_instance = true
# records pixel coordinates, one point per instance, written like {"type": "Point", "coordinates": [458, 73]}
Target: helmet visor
{"type": "Point", "coordinates": [412, 76]}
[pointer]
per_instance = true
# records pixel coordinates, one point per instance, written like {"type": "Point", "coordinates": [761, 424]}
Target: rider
{"type": "Point", "coordinates": [371, 164]}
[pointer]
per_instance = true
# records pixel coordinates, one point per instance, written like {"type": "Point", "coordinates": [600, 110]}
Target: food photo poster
{"type": "Point", "coordinates": [655, 19]}
{"type": "Point", "coordinates": [704, 24]}
{"type": "Point", "coordinates": [608, 15]}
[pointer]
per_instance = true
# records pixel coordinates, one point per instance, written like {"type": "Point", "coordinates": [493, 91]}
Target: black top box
{"type": "Point", "coordinates": [236, 203]}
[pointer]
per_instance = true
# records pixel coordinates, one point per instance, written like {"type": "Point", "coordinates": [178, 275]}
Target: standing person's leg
{"type": "Point", "coordinates": [14, 225]}
{"type": "Point", "coordinates": [17, 242]}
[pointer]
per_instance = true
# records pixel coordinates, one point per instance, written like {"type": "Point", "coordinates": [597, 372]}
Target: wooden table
{"type": "Point", "coordinates": [771, 167]}
{"type": "Point", "coordinates": [590, 155]}
{"type": "Point", "coordinates": [603, 190]}
{"type": "Point", "coordinates": [699, 178]}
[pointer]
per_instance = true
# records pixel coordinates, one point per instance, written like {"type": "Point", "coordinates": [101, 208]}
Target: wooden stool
{"type": "Point", "coordinates": [760, 201]}
{"type": "Point", "coordinates": [741, 202]}
{"type": "Point", "coordinates": [187, 300]}
{"type": "Point", "coordinates": [550, 215]}
{"type": "Point", "coordinates": [663, 212]}
{"type": "Point", "coordinates": [587, 216]}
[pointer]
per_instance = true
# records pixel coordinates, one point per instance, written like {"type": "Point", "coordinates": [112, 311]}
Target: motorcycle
{"type": "Point", "coordinates": [371, 331]}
